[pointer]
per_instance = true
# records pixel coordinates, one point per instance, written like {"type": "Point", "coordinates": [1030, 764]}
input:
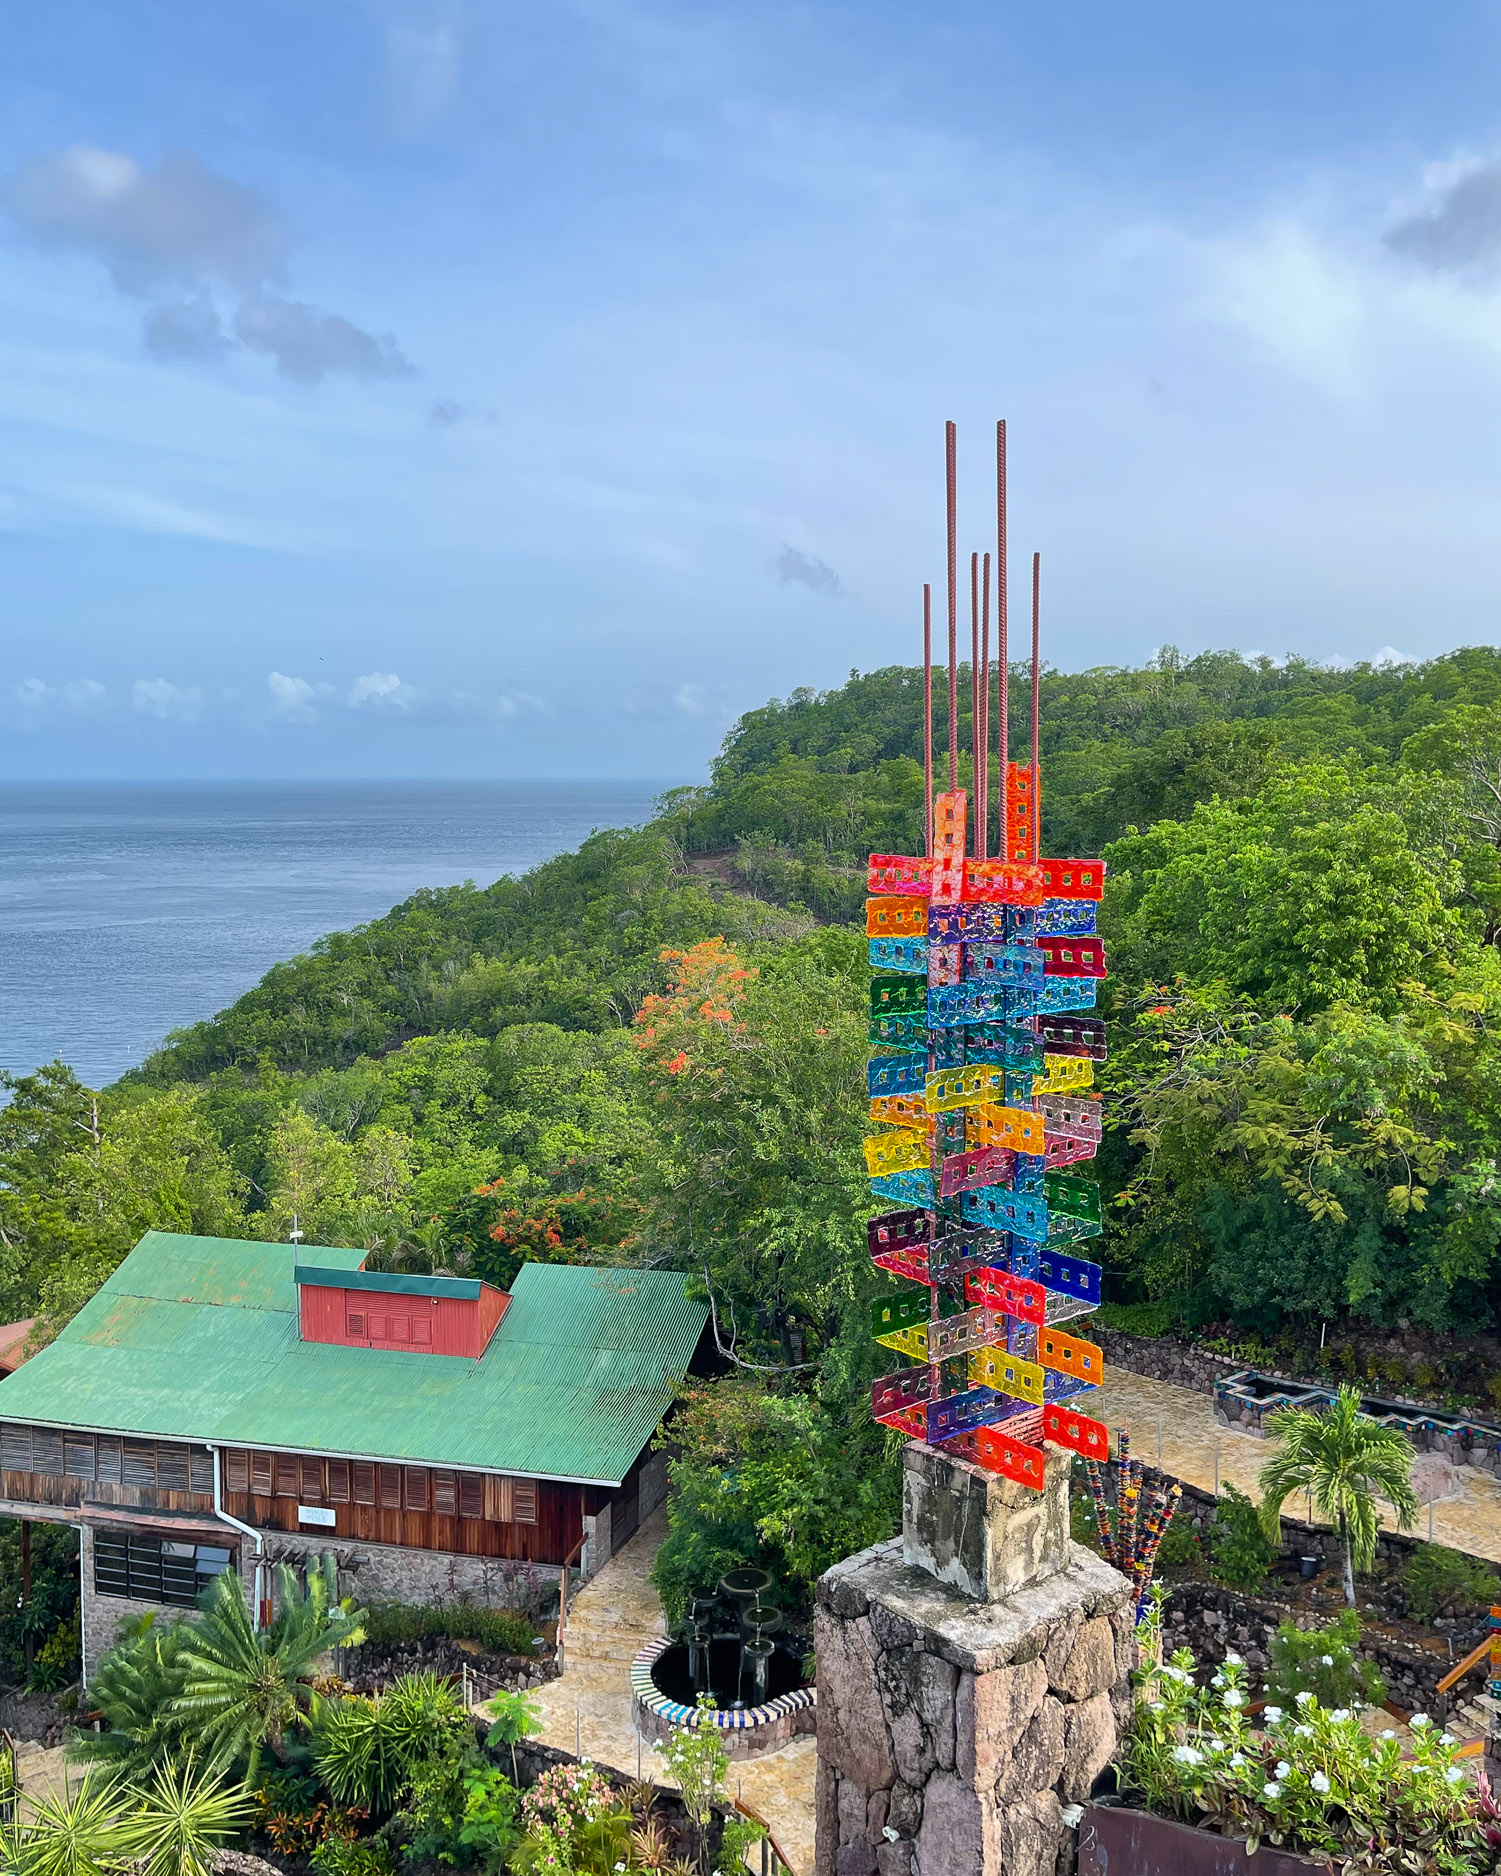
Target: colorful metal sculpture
{"type": "Point", "coordinates": [982, 1086]}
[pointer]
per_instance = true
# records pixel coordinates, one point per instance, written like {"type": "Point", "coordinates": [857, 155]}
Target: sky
{"type": "Point", "coordinates": [455, 388]}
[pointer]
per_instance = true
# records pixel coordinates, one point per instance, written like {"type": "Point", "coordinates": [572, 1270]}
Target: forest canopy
{"type": "Point", "coordinates": [653, 1047]}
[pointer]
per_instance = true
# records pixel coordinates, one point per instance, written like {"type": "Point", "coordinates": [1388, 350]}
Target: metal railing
{"type": "Point", "coordinates": [773, 1857]}
{"type": "Point", "coordinates": [568, 1563]}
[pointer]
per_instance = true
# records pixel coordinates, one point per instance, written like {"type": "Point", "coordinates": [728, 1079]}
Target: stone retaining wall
{"type": "Point", "coordinates": [1164, 1358]}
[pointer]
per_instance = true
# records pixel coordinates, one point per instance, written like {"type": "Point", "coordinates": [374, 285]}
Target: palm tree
{"type": "Point", "coordinates": [247, 1688]}
{"type": "Point", "coordinates": [1346, 1460]}
{"type": "Point", "coordinates": [135, 1688]}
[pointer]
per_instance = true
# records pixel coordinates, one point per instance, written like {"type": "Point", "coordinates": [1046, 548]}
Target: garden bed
{"type": "Point", "coordinates": [373, 1666]}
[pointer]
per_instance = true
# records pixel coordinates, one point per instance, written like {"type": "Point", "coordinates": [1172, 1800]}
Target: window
{"type": "Point", "coordinates": [416, 1481]}
{"type": "Point", "coordinates": [288, 1476]}
{"type": "Point", "coordinates": [364, 1482]}
{"type": "Point", "coordinates": [390, 1488]}
{"type": "Point", "coordinates": [422, 1331]}
{"type": "Point", "coordinates": [471, 1495]}
{"type": "Point", "coordinates": [148, 1570]}
{"type": "Point", "coordinates": [260, 1474]}
{"type": "Point", "coordinates": [399, 1329]}
{"type": "Point", "coordinates": [377, 1328]}
{"type": "Point", "coordinates": [237, 1472]}
{"type": "Point", "coordinates": [354, 1325]}
{"type": "Point", "coordinates": [312, 1481]}
{"type": "Point", "coordinates": [338, 1481]}
{"type": "Point", "coordinates": [445, 1494]}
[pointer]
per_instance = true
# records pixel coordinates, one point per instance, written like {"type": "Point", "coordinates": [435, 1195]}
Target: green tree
{"type": "Point", "coordinates": [313, 1180]}
{"type": "Point", "coordinates": [757, 1080]}
{"type": "Point", "coordinates": [245, 1688]}
{"type": "Point", "coordinates": [1346, 1460]}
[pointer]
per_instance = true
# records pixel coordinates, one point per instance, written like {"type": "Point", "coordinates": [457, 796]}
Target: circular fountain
{"type": "Point", "coordinates": [729, 1652]}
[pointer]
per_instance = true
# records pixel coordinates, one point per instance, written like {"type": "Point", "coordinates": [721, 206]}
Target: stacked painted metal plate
{"type": "Point", "coordinates": [984, 1045]}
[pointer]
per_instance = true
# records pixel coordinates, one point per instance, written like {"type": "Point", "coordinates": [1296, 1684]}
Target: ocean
{"type": "Point", "coordinates": [128, 909]}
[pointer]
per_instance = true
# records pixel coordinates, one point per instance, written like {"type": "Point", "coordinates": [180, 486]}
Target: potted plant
{"type": "Point", "coordinates": [1205, 1790]}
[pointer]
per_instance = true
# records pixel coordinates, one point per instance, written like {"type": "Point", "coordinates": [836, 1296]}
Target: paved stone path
{"type": "Point", "coordinates": [1191, 1437]}
{"type": "Point", "coordinates": [588, 1706]}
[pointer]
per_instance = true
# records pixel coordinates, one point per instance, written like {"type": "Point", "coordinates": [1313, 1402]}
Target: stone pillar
{"type": "Point", "coordinates": [972, 1678]}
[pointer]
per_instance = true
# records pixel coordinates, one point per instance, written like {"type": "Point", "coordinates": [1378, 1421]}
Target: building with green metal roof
{"type": "Point", "coordinates": [220, 1396]}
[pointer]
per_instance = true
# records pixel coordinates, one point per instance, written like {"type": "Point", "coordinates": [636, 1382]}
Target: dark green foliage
{"type": "Point", "coordinates": [1322, 1662]}
{"type": "Point", "coordinates": [1438, 1580]}
{"type": "Point", "coordinates": [54, 1591]}
{"type": "Point", "coordinates": [1180, 1547]}
{"type": "Point", "coordinates": [768, 1479]}
{"type": "Point", "coordinates": [1240, 1553]}
{"type": "Point", "coordinates": [502, 1631]}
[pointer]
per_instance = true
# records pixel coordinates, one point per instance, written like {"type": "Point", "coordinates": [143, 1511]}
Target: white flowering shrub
{"type": "Point", "coordinates": [1305, 1777]}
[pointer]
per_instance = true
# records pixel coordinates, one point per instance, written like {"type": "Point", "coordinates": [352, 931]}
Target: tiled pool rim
{"type": "Point", "coordinates": [747, 1730]}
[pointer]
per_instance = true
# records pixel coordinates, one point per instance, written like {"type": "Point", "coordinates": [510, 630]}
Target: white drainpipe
{"type": "Point", "coordinates": [247, 1529]}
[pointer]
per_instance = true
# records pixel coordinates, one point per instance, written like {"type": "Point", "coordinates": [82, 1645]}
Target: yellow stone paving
{"type": "Point", "coordinates": [1193, 1441]}
{"type": "Point", "coordinates": [588, 1707]}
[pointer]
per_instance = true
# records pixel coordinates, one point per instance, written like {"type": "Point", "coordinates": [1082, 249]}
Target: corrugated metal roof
{"type": "Point", "coordinates": [196, 1338]}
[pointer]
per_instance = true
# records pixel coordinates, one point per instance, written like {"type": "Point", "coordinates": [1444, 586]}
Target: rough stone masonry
{"type": "Point", "coordinates": [972, 1678]}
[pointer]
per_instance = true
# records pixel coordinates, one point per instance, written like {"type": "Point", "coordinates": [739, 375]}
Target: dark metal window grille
{"type": "Point", "coordinates": [148, 1570]}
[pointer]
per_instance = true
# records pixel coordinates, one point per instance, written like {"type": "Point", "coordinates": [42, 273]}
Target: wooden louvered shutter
{"type": "Point", "coordinates": [471, 1495]}
{"type": "Point", "coordinates": [417, 1488]}
{"type": "Point", "coordinates": [390, 1488]}
{"type": "Point", "coordinates": [364, 1482]}
{"type": "Point", "coordinates": [261, 1475]}
{"type": "Point", "coordinates": [172, 1468]}
{"type": "Point", "coordinates": [78, 1455]}
{"type": "Point", "coordinates": [200, 1471]}
{"type": "Point", "coordinates": [288, 1475]}
{"type": "Point", "coordinates": [338, 1481]}
{"type": "Point", "coordinates": [138, 1465]}
{"type": "Point", "coordinates": [312, 1481]}
{"type": "Point", "coordinates": [237, 1470]}
{"type": "Point", "coordinates": [526, 1501]}
{"type": "Point", "coordinates": [498, 1499]}
{"type": "Point", "coordinates": [47, 1451]}
{"type": "Point", "coordinates": [15, 1448]}
{"type": "Point", "coordinates": [107, 1459]}
{"type": "Point", "coordinates": [445, 1494]}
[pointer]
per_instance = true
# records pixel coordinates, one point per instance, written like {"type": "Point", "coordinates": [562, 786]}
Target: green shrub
{"type": "Point", "coordinates": [1180, 1548]}
{"type": "Point", "coordinates": [1321, 1663]}
{"type": "Point", "coordinates": [1239, 1550]}
{"type": "Point", "coordinates": [368, 1751]}
{"type": "Point", "coordinates": [1160, 1318]}
{"type": "Point", "coordinates": [58, 1660]}
{"type": "Point", "coordinates": [502, 1631]}
{"type": "Point", "coordinates": [345, 1856]}
{"type": "Point", "coordinates": [1439, 1578]}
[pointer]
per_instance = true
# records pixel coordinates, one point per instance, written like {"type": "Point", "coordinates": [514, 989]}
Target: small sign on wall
{"type": "Point", "coordinates": [314, 1514]}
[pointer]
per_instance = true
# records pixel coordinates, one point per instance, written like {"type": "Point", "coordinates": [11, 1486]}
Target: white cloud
{"type": "Point", "coordinates": [382, 689]}
{"type": "Point", "coordinates": [172, 703]}
{"type": "Point", "coordinates": [292, 698]}
{"type": "Point", "coordinates": [178, 235]}
{"type": "Point", "coordinates": [151, 227]}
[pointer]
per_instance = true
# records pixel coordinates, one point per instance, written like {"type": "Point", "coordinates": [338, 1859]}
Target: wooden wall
{"type": "Point", "coordinates": [472, 1514]}
{"type": "Point", "coordinates": [415, 1325]}
{"type": "Point", "coordinates": [418, 1507]}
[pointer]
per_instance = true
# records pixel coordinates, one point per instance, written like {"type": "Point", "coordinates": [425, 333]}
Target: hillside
{"type": "Point", "coordinates": [609, 1056]}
